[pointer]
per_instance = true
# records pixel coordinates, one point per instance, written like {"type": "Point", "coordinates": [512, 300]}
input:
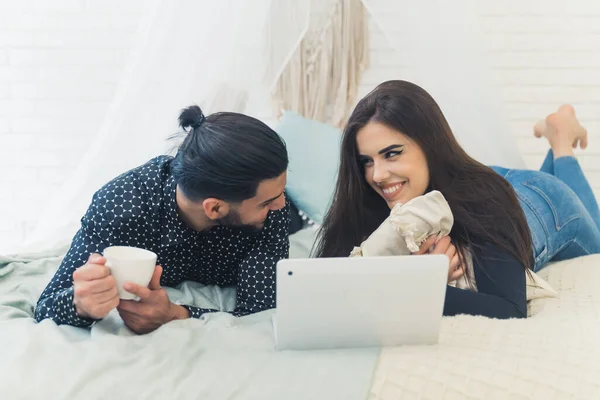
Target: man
{"type": "Point", "coordinates": [216, 213]}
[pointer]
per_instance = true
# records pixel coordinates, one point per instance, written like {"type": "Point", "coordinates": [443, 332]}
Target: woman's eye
{"type": "Point", "coordinates": [391, 154]}
{"type": "Point", "coordinates": [365, 161]}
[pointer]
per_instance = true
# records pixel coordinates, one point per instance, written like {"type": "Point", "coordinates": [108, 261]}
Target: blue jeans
{"type": "Point", "coordinates": [560, 207]}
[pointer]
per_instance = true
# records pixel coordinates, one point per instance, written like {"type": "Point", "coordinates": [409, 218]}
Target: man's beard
{"type": "Point", "coordinates": [234, 220]}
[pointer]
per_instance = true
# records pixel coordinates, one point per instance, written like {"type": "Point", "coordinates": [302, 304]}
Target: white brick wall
{"type": "Point", "coordinates": [543, 53]}
{"type": "Point", "coordinates": [60, 61]}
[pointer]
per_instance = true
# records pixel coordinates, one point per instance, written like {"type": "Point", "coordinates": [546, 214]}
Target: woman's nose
{"type": "Point", "coordinates": [380, 172]}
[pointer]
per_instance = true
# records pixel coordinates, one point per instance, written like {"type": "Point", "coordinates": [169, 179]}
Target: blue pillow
{"type": "Point", "coordinates": [314, 154]}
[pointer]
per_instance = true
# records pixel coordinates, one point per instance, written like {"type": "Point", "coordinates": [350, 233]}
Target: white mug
{"type": "Point", "coordinates": [130, 264]}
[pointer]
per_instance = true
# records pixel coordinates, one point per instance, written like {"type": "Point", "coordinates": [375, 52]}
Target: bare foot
{"type": "Point", "coordinates": [563, 131]}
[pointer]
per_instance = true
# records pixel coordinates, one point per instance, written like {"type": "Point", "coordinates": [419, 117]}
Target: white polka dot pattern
{"type": "Point", "coordinates": [138, 209]}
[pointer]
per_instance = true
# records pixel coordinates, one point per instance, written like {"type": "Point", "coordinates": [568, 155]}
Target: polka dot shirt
{"type": "Point", "coordinates": [138, 209]}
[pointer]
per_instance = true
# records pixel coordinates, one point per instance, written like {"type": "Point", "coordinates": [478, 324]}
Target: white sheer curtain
{"type": "Point", "coordinates": [207, 52]}
{"type": "Point", "coordinates": [228, 54]}
{"type": "Point", "coordinates": [441, 44]}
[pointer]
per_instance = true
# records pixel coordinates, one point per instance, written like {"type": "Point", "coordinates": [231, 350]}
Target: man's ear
{"type": "Point", "coordinates": [215, 208]}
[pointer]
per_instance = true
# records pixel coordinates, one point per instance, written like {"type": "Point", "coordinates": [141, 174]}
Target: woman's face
{"type": "Point", "coordinates": [394, 165]}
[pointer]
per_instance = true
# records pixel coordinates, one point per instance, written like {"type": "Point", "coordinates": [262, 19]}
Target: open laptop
{"type": "Point", "coordinates": [325, 303]}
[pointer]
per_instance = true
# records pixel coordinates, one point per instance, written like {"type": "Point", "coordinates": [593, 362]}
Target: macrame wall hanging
{"type": "Point", "coordinates": [321, 80]}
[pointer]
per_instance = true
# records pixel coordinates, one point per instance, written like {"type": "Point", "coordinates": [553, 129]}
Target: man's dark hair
{"type": "Point", "coordinates": [226, 155]}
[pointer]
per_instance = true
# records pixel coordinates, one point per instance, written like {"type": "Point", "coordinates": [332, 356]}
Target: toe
{"type": "Point", "coordinates": [539, 128]}
{"type": "Point", "coordinates": [583, 142]}
{"type": "Point", "coordinates": [566, 109]}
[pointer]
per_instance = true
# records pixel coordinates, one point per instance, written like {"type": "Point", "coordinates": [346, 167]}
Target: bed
{"type": "Point", "coordinates": [555, 354]}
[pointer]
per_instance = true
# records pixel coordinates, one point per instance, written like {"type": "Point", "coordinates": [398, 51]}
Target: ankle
{"type": "Point", "coordinates": [562, 150]}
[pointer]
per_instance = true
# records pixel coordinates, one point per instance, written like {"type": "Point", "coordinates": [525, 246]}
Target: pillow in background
{"type": "Point", "coordinates": [314, 154]}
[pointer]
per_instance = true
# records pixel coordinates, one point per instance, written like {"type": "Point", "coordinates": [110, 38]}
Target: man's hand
{"type": "Point", "coordinates": [152, 310]}
{"type": "Point", "coordinates": [443, 246]}
{"type": "Point", "coordinates": [95, 292]}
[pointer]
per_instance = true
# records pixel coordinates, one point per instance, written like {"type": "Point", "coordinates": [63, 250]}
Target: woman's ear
{"type": "Point", "coordinates": [215, 208]}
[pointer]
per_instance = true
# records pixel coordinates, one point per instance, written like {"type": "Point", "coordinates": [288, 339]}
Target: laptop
{"type": "Point", "coordinates": [328, 303]}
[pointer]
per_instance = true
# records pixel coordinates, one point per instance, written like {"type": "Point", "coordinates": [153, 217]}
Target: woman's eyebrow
{"type": "Point", "coordinates": [393, 146]}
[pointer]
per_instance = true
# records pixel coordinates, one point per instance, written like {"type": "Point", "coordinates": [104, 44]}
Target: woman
{"type": "Point", "coordinates": [397, 145]}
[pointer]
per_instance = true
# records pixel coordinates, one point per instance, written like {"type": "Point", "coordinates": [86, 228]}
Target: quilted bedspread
{"type": "Point", "coordinates": [554, 354]}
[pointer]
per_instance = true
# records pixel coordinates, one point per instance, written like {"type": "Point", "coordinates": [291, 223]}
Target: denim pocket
{"type": "Point", "coordinates": [552, 200]}
{"type": "Point", "coordinates": [549, 207]}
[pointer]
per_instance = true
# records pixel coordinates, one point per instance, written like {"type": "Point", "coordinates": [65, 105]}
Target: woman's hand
{"type": "Point", "coordinates": [443, 246]}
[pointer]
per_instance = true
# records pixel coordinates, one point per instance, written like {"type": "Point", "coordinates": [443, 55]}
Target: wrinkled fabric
{"type": "Point", "coordinates": [410, 224]}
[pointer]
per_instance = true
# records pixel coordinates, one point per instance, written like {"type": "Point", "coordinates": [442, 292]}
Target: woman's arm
{"type": "Point", "coordinates": [501, 284]}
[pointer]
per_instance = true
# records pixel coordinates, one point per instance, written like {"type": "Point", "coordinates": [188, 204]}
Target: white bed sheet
{"type": "Point", "coordinates": [219, 357]}
{"type": "Point", "coordinates": [554, 354]}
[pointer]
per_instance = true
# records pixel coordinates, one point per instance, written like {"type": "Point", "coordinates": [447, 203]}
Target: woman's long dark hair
{"type": "Point", "coordinates": [484, 205]}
